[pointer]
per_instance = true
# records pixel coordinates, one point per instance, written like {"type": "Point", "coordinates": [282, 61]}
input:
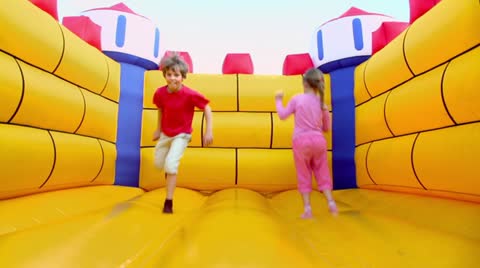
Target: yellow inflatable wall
{"type": "Point", "coordinates": [252, 146]}
{"type": "Point", "coordinates": [417, 117]}
{"type": "Point", "coordinates": [417, 131]}
{"type": "Point", "coordinates": [58, 110]}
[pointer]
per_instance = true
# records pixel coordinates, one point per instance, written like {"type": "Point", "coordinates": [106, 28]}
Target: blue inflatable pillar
{"type": "Point", "coordinates": [343, 128]}
{"type": "Point", "coordinates": [133, 41]}
{"type": "Point", "coordinates": [129, 125]}
{"type": "Point", "coordinates": [339, 46]}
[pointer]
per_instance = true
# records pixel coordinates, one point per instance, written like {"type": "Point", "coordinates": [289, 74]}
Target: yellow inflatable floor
{"type": "Point", "coordinates": [241, 228]}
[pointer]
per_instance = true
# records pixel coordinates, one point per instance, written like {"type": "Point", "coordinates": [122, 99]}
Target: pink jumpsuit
{"type": "Point", "coordinates": [309, 144]}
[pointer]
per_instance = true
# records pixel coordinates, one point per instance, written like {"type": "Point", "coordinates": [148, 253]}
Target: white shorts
{"type": "Point", "coordinates": [169, 151]}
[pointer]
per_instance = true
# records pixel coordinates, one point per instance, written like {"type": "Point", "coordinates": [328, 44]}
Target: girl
{"type": "Point", "coordinates": [309, 145]}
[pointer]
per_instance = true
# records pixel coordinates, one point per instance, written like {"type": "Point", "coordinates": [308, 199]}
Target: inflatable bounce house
{"type": "Point", "coordinates": [78, 187]}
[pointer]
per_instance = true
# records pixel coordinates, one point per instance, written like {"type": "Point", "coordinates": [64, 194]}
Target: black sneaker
{"type": "Point", "coordinates": [168, 206]}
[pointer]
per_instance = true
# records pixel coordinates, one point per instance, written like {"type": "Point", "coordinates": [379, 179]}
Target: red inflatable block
{"type": "Point", "coordinates": [186, 57]}
{"type": "Point", "coordinates": [118, 7]}
{"type": "Point", "coordinates": [386, 33]}
{"type": "Point", "coordinates": [297, 64]}
{"type": "Point", "coordinates": [49, 6]}
{"type": "Point", "coordinates": [85, 28]}
{"type": "Point", "coordinates": [353, 11]}
{"type": "Point", "coordinates": [122, 7]}
{"type": "Point", "coordinates": [237, 63]}
{"type": "Point", "coordinates": [420, 7]}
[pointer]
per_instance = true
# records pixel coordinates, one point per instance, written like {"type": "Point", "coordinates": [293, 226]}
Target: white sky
{"type": "Point", "coordinates": [267, 29]}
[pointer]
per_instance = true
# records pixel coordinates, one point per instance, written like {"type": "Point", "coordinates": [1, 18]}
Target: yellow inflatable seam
{"type": "Point", "coordinates": [100, 117]}
{"type": "Point", "coordinates": [67, 172]}
{"type": "Point", "coordinates": [387, 68]}
{"type": "Point", "coordinates": [22, 93]}
{"type": "Point", "coordinates": [439, 194]}
{"type": "Point", "coordinates": [17, 143]}
{"type": "Point", "coordinates": [404, 54]}
{"type": "Point", "coordinates": [390, 162]}
{"type": "Point", "coordinates": [442, 93]}
{"type": "Point", "coordinates": [362, 175]}
{"type": "Point", "coordinates": [107, 172]}
{"type": "Point", "coordinates": [30, 113]}
{"type": "Point", "coordinates": [460, 87]}
{"type": "Point", "coordinates": [370, 120]}
{"type": "Point", "coordinates": [103, 162]}
{"type": "Point", "coordinates": [48, 100]}
{"type": "Point", "coordinates": [84, 110]}
{"type": "Point", "coordinates": [36, 39]}
{"type": "Point", "coordinates": [255, 92]}
{"type": "Point", "coordinates": [54, 159]}
{"type": "Point", "coordinates": [38, 185]}
{"type": "Point", "coordinates": [107, 78]}
{"type": "Point", "coordinates": [422, 95]}
{"type": "Point", "coordinates": [61, 54]}
{"type": "Point", "coordinates": [453, 150]}
{"type": "Point", "coordinates": [363, 79]}
{"type": "Point", "coordinates": [467, 51]}
{"type": "Point", "coordinates": [234, 129]}
{"type": "Point", "coordinates": [452, 27]}
{"type": "Point", "coordinates": [361, 96]}
{"type": "Point", "coordinates": [112, 87]}
{"type": "Point", "coordinates": [82, 63]}
{"type": "Point", "coordinates": [366, 162]}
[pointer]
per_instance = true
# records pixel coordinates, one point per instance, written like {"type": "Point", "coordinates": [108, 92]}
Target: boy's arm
{"type": "Point", "coordinates": [158, 130]}
{"type": "Point", "coordinates": [208, 137]}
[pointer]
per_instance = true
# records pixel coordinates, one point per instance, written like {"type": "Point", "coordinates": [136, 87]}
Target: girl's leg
{"type": "Point", "coordinates": [332, 206]}
{"type": "Point", "coordinates": [328, 195]}
{"type": "Point", "coordinates": [322, 173]}
{"type": "Point", "coordinates": [304, 175]}
{"type": "Point", "coordinates": [307, 208]}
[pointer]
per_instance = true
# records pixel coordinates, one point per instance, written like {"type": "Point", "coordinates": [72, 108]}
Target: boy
{"type": "Point", "coordinates": [176, 104]}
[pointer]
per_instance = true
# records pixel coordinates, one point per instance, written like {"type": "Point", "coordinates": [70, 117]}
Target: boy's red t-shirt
{"type": "Point", "coordinates": [178, 108]}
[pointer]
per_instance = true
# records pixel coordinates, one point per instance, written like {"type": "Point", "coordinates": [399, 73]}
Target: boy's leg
{"type": "Point", "coordinates": [172, 162]}
{"type": "Point", "coordinates": [161, 151]}
{"type": "Point", "coordinates": [171, 183]}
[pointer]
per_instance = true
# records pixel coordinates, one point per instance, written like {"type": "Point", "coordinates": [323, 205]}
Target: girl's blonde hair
{"type": "Point", "coordinates": [173, 61]}
{"type": "Point", "coordinates": [314, 79]}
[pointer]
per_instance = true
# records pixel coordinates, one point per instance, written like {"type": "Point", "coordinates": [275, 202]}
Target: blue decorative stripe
{"type": "Point", "coordinates": [129, 125]}
{"type": "Point", "coordinates": [320, 45]}
{"type": "Point", "coordinates": [121, 29]}
{"type": "Point", "coordinates": [357, 33]}
{"type": "Point", "coordinates": [343, 128]}
{"type": "Point", "coordinates": [157, 43]}
{"type": "Point", "coordinates": [343, 63]}
{"type": "Point", "coordinates": [131, 59]}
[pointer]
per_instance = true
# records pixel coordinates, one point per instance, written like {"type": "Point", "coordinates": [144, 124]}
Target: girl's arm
{"type": "Point", "coordinates": [326, 122]}
{"type": "Point", "coordinates": [284, 113]}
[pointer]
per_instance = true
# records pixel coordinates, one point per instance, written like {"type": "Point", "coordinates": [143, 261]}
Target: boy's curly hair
{"type": "Point", "coordinates": [173, 61]}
